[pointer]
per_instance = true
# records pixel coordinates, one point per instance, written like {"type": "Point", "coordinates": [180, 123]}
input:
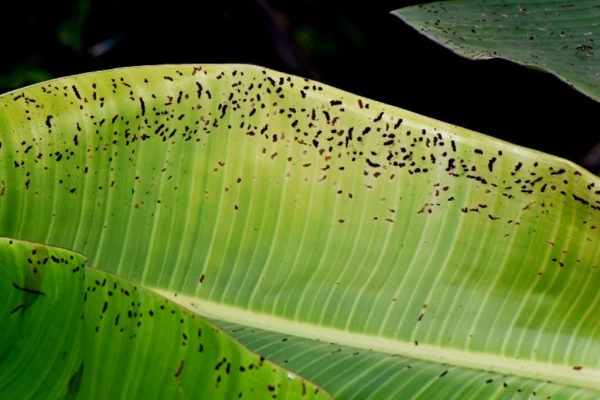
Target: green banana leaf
{"type": "Point", "coordinates": [370, 250]}
{"type": "Point", "coordinates": [66, 325]}
{"type": "Point", "coordinates": [556, 36]}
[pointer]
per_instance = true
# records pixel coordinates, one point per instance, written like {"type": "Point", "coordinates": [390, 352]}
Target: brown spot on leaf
{"type": "Point", "coordinates": [179, 370]}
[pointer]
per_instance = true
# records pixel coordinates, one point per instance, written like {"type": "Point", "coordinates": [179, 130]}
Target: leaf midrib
{"type": "Point", "coordinates": [562, 374]}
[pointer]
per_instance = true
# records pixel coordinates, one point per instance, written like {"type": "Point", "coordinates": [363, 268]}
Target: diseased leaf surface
{"type": "Point", "coordinates": [558, 36]}
{"type": "Point", "coordinates": [276, 202]}
{"type": "Point", "coordinates": [71, 332]}
{"type": "Point", "coordinates": [353, 373]}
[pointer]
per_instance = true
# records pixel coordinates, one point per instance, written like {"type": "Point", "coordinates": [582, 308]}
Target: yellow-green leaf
{"type": "Point", "coordinates": [268, 201]}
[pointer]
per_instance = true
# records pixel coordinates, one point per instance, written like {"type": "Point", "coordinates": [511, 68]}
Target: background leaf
{"type": "Point", "coordinates": [71, 31]}
{"type": "Point", "coordinates": [556, 36]}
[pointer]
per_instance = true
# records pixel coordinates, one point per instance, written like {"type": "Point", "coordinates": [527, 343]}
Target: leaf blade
{"type": "Point", "coordinates": [556, 37]}
{"type": "Point", "coordinates": [78, 332]}
{"type": "Point", "coordinates": [426, 251]}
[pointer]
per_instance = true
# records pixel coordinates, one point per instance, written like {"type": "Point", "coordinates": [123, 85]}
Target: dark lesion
{"type": "Point", "coordinates": [29, 296]}
{"type": "Point", "coordinates": [26, 290]}
{"type": "Point", "coordinates": [17, 308]}
{"type": "Point", "coordinates": [74, 385]}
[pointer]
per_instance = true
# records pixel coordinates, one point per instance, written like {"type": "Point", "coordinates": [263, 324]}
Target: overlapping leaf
{"type": "Point", "coordinates": [73, 332]}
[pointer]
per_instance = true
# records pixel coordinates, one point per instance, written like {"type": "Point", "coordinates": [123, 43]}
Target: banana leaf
{"type": "Point", "coordinates": [555, 36]}
{"type": "Point", "coordinates": [77, 332]}
{"type": "Point", "coordinates": [370, 251]}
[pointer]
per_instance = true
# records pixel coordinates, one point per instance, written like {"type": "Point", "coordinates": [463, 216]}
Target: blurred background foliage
{"type": "Point", "coordinates": [356, 46]}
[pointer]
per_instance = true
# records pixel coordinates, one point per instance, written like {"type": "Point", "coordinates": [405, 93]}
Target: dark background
{"type": "Point", "coordinates": [356, 46]}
